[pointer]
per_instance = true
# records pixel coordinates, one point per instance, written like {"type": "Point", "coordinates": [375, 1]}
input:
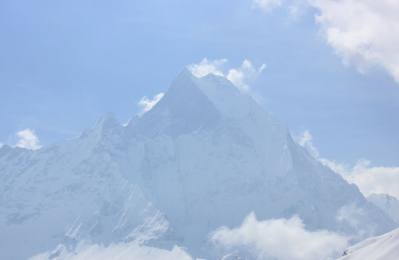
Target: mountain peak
{"type": "Point", "coordinates": [192, 103]}
{"type": "Point", "coordinates": [228, 100]}
{"type": "Point", "coordinates": [185, 73]}
{"type": "Point", "coordinates": [184, 108]}
{"type": "Point", "coordinates": [186, 77]}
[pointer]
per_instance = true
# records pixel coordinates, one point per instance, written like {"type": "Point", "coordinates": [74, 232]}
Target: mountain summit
{"type": "Point", "coordinates": [205, 156]}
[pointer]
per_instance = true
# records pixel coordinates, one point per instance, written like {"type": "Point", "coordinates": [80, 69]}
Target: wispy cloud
{"type": "Point", "coordinates": [354, 218]}
{"type": "Point", "coordinates": [284, 239]}
{"type": "Point", "coordinates": [241, 77]}
{"type": "Point", "coordinates": [306, 140]}
{"type": "Point", "coordinates": [146, 104]}
{"type": "Point", "coordinates": [27, 139]}
{"type": "Point", "coordinates": [369, 179]}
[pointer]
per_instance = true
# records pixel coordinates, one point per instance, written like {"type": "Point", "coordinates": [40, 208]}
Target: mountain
{"type": "Point", "coordinates": [205, 156]}
{"type": "Point", "coordinates": [384, 247]}
{"type": "Point", "coordinates": [387, 203]}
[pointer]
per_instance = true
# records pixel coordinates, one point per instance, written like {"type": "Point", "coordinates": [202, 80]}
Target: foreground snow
{"type": "Point", "coordinates": [385, 247]}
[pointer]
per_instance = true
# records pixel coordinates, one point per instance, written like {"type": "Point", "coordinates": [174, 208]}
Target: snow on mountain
{"type": "Point", "coordinates": [384, 247]}
{"type": "Point", "coordinates": [67, 193]}
{"type": "Point", "coordinates": [387, 203]}
{"type": "Point", "coordinates": [205, 156]}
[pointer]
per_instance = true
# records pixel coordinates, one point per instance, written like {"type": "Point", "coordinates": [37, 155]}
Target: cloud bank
{"type": "Point", "coordinates": [27, 139]}
{"type": "Point", "coordinates": [283, 239]}
{"type": "Point", "coordinates": [241, 77]}
{"type": "Point", "coordinates": [369, 179]}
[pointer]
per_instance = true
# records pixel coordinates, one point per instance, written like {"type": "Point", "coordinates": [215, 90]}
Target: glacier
{"type": "Point", "coordinates": [205, 156]}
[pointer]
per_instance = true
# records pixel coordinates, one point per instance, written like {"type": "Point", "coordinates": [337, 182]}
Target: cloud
{"type": "Point", "coordinates": [296, 9]}
{"type": "Point", "coordinates": [146, 104]}
{"type": "Point", "coordinates": [279, 239]}
{"type": "Point", "coordinates": [266, 5]}
{"type": "Point", "coordinates": [355, 220]}
{"type": "Point", "coordinates": [244, 74]}
{"type": "Point", "coordinates": [27, 139]}
{"type": "Point", "coordinates": [306, 140]}
{"type": "Point", "coordinates": [206, 67]}
{"type": "Point", "coordinates": [241, 77]}
{"type": "Point", "coordinates": [364, 33]}
{"type": "Point", "coordinates": [369, 179]}
{"type": "Point", "coordinates": [120, 251]}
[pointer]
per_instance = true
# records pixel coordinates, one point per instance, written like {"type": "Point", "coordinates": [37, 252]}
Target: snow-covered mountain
{"type": "Point", "coordinates": [387, 203]}
{"type": "Point", "coordinates": [205, 156]}
{"type": "Point", "coordinates": [384, 247]}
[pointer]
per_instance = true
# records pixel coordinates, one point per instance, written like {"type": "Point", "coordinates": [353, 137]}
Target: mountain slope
{"type": "Point", "coordinates": [68, 193]}
{"type": "Point", "coordinates": [387, 203]}
{"type": "Point", "coordinates": [205, 156]}
{"type": "Point", "coordinates": [385, 247]}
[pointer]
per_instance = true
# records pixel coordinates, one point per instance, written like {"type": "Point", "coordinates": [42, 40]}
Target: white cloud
{"type": "Point", "coordinates": [27, 139]}
{"type": "Point", "coordinates": [364, 33]}
{"type": "Point", "coordinates": [369, 179]}
{"type": "Point", "coordinates": [206, 67]}
{"type": "Point", "coordinates": [241, 77]}
{"type": "Point", "coordinates": [281, 239]}
{"type": "Point", "coordinates": [244, 74]}
{"type": "Point", "coordinates": [121, 251]}
{"type": "Point", "coordinates": [146, 104]}
{"type": "Point", "coordinates": [266, 5]}
{"type": "Point", "coordinates": [306, 140]}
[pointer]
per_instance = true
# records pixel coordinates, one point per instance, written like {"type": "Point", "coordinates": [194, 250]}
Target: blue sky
{"type": "Point", "coordinates": [64, 64]}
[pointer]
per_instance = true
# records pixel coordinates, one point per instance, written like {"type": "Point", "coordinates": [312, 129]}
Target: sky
{"type": "Point", "coordinates": [66, 63]}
